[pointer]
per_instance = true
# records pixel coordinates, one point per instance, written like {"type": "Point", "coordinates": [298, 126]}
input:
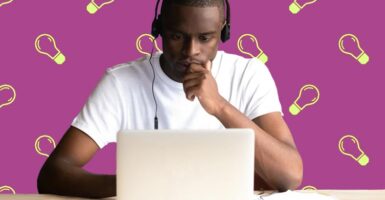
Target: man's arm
{"type": "Point", "coordinates": [277, 160]}
{"type": "Point", "coordinates": [62, 173]}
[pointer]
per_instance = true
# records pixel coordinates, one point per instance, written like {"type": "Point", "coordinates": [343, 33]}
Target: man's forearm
{"type": "Point", "coordinates": [70, 180]}
{"type": "Point", "coordinates": [278, 163]}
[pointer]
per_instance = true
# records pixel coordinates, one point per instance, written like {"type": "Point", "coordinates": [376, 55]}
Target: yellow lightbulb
{"type": "Point", "coordinates": [7, 188]}
{"type": "Point", "coordinates": [363, 58]}
{"type": "Point", "coordinates": [361, 157]}
{"type": "Point", "coordinates": [295, 7]}
{"type": "Point", "coordinates": [261, 55]}
{"type": "Point", "coordinates": [92, 7]}
{"type": "Point", "coordinates": [309, 187]}
{"type": "Point", "coordinates": [37, 144]}
{"type": "Point", "coordinates": [139, 43]}
{"type": "Point", "coordinates": [10, 100]}
{"type": "Point", "coordinates": [295, 108]}
{"type": "Point", "coordinates": [6, 2]}
{"type": "Point", "coordinates": [59, 58]}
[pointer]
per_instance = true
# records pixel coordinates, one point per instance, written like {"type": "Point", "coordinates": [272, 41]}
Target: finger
{"type": "Point", "coordinates": [192, 82]}
{"type": "Point", "coordinates": [196, 68]}
{"type": "Point", "coordinates": [191, 75]}
{"type": "Point", "coordinates": [208, 65]}
{"type": "Point", "coordinates": [191, 92]}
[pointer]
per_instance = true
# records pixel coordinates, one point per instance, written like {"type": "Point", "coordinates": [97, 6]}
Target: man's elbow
{"type": "Point", "coordinates": [293, 179]}
{"type": "Point", "coordinates": [48, 176]}
{"type": "Point", "coordinates": [43, 181]}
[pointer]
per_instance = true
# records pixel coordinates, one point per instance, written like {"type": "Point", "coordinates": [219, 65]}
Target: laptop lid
{"type": "Point", "coordinates": [185, 164]}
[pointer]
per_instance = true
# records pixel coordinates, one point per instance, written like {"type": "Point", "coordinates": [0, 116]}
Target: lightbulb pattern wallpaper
{"type": "Point", "coordinates": [326, 58]}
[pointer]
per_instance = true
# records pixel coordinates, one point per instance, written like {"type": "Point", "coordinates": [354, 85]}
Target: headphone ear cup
{"type": "Point", "coordinates": [225, 33]}
{"type": "Point", "coordinates": [154, 28]}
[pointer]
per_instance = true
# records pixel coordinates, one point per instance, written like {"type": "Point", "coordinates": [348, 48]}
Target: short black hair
{"type": "Point", "coordinates": [196, 3]}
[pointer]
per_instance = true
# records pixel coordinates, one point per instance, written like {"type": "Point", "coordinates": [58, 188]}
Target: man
{"type": "Point", "coordinates": [196, 86]}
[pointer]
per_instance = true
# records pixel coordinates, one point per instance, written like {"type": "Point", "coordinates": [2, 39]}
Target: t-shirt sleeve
{"type": "Point", "coordinates": [101, 116]}
{"type": "Point", "coordinates": [260, 91]}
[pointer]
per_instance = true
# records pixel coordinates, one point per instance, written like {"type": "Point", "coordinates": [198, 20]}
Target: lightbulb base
{"type": "Point", "coordinates": [263, 57]}
{"type": "Point", "coordinates": [363, 59]}
{"type": "Point", "coordinates": [363, 160]}
{"type": "Point", "coordinates": [92, 8]}
{"type": "Point", "coordinates": [60, 59]}
{"type": "Point", "coordinates": [294, 8]}
{"type": "Point", "coordinates": [294, 109]}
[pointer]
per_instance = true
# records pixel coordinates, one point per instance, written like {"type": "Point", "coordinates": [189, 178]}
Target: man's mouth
{"type": "Point", "coordinates": [183, 66]}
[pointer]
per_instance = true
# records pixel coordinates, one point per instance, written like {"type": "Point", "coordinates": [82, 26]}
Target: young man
{"type": "Point", "coordinates": [196, 86]}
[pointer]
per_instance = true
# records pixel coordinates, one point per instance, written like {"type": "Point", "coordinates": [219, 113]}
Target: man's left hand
{"type": "Point", "coordinates": [199, 82]}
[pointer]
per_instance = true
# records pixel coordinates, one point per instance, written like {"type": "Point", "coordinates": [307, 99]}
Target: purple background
{"type": "Point", "coordinates": [302, 49]}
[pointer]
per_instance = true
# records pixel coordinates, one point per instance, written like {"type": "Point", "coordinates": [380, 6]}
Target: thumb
{"type": "Point", "coordinates": [208, 65]}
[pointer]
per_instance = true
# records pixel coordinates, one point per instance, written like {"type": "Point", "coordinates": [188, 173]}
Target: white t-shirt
{"type": "Point", "coordinates": [123, 99]}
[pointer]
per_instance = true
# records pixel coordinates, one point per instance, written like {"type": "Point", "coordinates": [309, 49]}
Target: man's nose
{"type": "Point", "coordinates": [191, 48]}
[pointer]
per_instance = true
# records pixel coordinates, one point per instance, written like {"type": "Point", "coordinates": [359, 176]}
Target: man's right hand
{"type": "Point", "coordinates": [62, 173]}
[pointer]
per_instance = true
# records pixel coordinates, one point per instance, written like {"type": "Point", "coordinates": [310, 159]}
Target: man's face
{"type": "Point", "coordinates": [190, 35]}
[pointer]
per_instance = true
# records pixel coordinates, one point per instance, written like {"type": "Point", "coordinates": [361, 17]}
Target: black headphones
{"type": "Point", "coordinates": [156, 27]}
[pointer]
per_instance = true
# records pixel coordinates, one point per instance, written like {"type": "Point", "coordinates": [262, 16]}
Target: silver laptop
{"type": "Point", "coordinates": [185, 164]}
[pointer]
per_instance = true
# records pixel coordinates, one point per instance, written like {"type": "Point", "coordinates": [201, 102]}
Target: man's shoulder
{"type": "Point", "coordinates": [238, 62]}
{"type": "Point", "coordinates": [231, 56]}
{"type": "Point", "coordinates": [137, 69]}
{"type": "Point", "coordinates": [128, 66]}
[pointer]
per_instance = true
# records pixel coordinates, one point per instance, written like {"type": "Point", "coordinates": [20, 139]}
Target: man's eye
{"type": "Point", "coordinates": [204, 38]}
{"type": "Point", "coordinates": [175, 36]}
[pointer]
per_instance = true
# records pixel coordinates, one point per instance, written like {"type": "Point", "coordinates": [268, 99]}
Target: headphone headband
{"type": "Point", "coordinates": [156, 10]}
{"type": "Point", "coordinates": [227, 12]}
